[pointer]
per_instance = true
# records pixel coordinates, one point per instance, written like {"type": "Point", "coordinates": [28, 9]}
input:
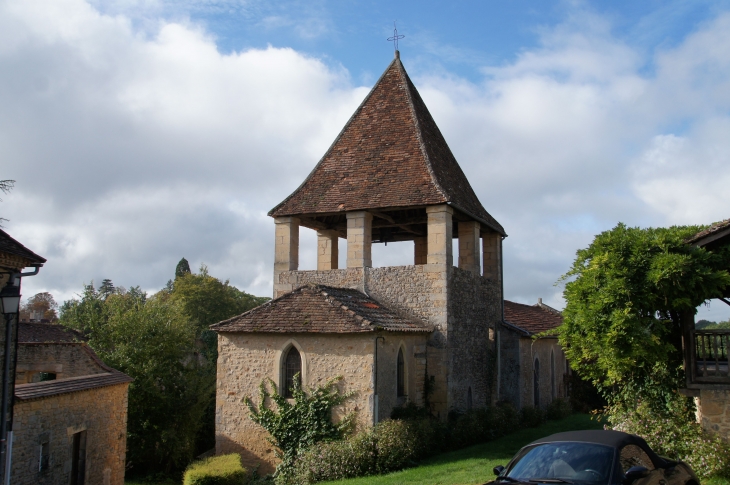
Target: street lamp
{"type": "Point", "coordinates": [10, 298]}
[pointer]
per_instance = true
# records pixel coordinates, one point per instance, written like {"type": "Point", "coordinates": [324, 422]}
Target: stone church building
{"type": "Point", "coordinates": [389, 176]}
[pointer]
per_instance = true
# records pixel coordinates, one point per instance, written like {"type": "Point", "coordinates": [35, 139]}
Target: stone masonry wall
{"type": "Point", "coordinates": [414, 356]}
{"type": "Point", "coordinates": [713, 411]}
{"type": "Point", "coordinates": [63, 359]}
{"type": "Point", "coordinates": [475, 309]}
{"type": "Point", "coordinates": [541, 349]}
{"type": "Point", "coordinates": [246, 359]}
{"type": "Point", "coordinates": [511, 379]}
{"type": "Point", "coordinates": [102, 412]}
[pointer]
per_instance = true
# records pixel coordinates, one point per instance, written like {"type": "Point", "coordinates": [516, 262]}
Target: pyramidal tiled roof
{"type": "Point", "coordinates": [320, 309]}
{"type": "Point", "coordinates": [390, 154]}
{"type": "Point", "coordinates": [11, 246]}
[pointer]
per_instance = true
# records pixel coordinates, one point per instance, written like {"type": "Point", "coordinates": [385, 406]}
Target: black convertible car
{"type": "Point", "coordinates": [593, 458]}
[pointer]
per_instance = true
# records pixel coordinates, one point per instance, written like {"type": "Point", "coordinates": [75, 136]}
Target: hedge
{"type": "Point", "coordinates": [217, 470]}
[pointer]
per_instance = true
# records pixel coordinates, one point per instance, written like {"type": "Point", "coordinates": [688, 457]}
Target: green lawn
{"type": "Point", "coordinates": [474, 465]}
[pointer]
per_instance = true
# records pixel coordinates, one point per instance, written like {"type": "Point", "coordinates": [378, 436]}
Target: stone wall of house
{"type": "Point", "coordinates": [63, 359]}
{"type": "Point", "coordinates": [246, 359]}
{"type": "Point", "coordinates": [101, 412]}
{"type": "Point", "coordinates": [511, 379]}
{"type": "Point", "coordinates": [414, 356]}
{"type": "Point", "coordinates": [713, 411]}
{"type": "Point", "coordinates": [542, 349]}
{"type": "Point", "coordinates": [474, 311]}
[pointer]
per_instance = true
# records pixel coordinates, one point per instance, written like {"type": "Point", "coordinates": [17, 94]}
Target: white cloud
{"type": "Point", "coordinates": [135, 144]}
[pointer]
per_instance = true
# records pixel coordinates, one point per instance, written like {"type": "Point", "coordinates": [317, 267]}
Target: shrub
{"type": "Point", "coordinates": [559, 409]}
{"type": "Point", "coordinates": [531, 417]}
{"type": "Point", "coordinates": [217, 470]}
{"type": "Point", "coordinates": [297, 426]}
{"type": "Point", "coordinates": [674, 433]}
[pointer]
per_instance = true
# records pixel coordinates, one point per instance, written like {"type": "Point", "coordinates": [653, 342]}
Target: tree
{"type": "Point", "coordinates": [106, 288]}
{"type": "Point", "coordinates": [626, 298]}
{"type": "Point", "coordinates": [5, 187]}
{"type": "Point", "coordinates": [153, 341]}
{"type": "Point", "coordinates": [183, 268]}
{"type": "Point", "coordinates": [41, 304]}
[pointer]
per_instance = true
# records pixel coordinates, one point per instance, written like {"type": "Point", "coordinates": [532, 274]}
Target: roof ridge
{"type": "Point", "coordinates": [419, 130]}
{"type": "Point", "coordinates": [337, 139]}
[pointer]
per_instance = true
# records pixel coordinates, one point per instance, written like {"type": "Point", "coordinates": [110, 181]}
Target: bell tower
{"type": "Point", "coordinates": [390, 176]}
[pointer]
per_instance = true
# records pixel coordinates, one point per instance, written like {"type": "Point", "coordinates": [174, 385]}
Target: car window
{"type": "Point", "coordinates": [633, 455]}
{"type": "Point", "coordinates": [578, 462]}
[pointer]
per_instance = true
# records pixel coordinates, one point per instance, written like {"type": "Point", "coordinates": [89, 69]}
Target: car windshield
{"type": "Point", "coordinates": [564, 462]}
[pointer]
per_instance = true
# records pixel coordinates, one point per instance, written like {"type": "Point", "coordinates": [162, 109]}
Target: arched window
{"type": "Point", "coordinates": [292, 369]}
{"type": "Point", "coordinates": [401, 375]}
{"type": "Point", "coordinates": [552, 374]}
{"type": "Point", "coordinates": [536, 382]}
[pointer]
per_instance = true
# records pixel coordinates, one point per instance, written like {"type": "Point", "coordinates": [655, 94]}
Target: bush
{"type": "Point", "coordinates": [217, 470]}
{"type": "Point", "coordinates": [675, 434]}
{"type": "Point", "coordinates": [531, 417]}
{"type": "Point", "coordinates": [559, 409]}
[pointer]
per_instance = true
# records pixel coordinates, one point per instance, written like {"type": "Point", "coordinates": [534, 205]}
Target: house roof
{"type": "Point", "coordinates": [320, 309]}
{"type": "Point", "coordinates": [714, 233]}
{"type": "Point", "coordinates": [390, 154]}
{"type": "Point", "coordinates": [532, 319]}
{"type": "Point", "coordinates": [47, 333]}
{"type": "Point", "coordinates": [39, 390]}
{"type": "Point", "coordinates": [9, 245]}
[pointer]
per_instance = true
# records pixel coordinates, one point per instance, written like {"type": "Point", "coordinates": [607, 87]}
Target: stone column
{"type": "Point", "coordinates": [420, 250]}
{"type": "Point", "coordinates": [286, 251]}
{"type": "Point", "coordinates": [359, 239]}
{"type": "Point", "coordinates": [492, 249]}
{"type": "Point", "coordinates": [327, 251]}
{"type": "Point", "coordinates": [469, 246]}
{"type": "Point", "coordinates": [440, 234]}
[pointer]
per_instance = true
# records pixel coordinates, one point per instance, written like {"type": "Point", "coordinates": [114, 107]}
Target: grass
{"type": "Point", "coordinates": [474, 465]}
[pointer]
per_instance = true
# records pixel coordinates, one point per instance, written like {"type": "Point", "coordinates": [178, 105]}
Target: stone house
{"type": "Point", "coordinates": [389, 176]}
{"type": "Point", "coordinates": [533, 364]}
{"type": "Point", "coordinates": [70, 411]}
{"type": "Point", "coordinates": [706, 360]}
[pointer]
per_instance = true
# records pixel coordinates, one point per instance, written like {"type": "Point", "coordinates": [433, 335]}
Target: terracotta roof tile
{"type": "Point", "coordinates": [46, 333]}
{"type": "Point", "coordinates": [39, 390]}
{"type": "Point", "coordinates": [532, 319]}
{"type": "Point", "coordinates": [320, 309]}
{"type": "Point", "coordinates": [11, 246]}
{"type": "Point", "coordinates": [390, 154]}
{"type": "Point", "coordinates": [712, 233]}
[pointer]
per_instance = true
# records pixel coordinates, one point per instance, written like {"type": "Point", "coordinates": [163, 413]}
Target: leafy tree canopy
{"type": "Point", "coordinates": [626, 296]}
{"type": "Point", "coordinates": [41, 304]}
{"type": "Point", "coordinates": [183, 268]}
{"type": "Point", "coordinates": [153, 341]}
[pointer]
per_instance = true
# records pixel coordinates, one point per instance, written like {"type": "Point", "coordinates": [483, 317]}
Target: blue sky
{"type": "Point", "coordinates": [142, 131]}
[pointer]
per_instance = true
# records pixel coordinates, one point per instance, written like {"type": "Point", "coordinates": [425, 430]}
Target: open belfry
{"type": "Point", "coordinates": [424, 333]}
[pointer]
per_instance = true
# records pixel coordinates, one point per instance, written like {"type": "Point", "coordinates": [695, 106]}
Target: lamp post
{"type": "Point", "coordinates": [9, 306]}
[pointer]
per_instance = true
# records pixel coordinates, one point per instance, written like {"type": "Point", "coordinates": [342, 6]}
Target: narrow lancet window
{"type": "Point", "coordinates": [292, 370]}
{"type": "Point", "coordinates": [536, 383]}
{"type": "Point", "coordinates": [401, 376]}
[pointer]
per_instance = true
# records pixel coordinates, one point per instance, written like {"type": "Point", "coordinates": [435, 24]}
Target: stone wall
{"type": "Point", "coordinates": [474, 311]}
{"type": "Point", "coordinates": [101, 412]}
{"type": "Point", "coordinates": [713, 411]}
{"type": "Point", "coordinates": [541, 349]}
{"type": "Point", "coordinates": [511, 379]}
{"type": "Point", "coordinates": [63, 359]}
{"type": "Point", "coordinates": [246, 359]}
{"type": "Point", "coordinates": [414, 356]}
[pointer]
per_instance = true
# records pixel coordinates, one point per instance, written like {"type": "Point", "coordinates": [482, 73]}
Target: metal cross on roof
{"type": "Point", "coordinates": [395, 37]}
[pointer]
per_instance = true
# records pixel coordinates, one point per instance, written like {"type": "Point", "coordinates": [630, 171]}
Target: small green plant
{"type": "Point", "coordinates": [217, 470]}
{"type": "Point", "coordinates": [296, 426]}
{"type": "Point", "coordinates": [531, 417]}
{"type": "Point", "coordinates": [559, 409]}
